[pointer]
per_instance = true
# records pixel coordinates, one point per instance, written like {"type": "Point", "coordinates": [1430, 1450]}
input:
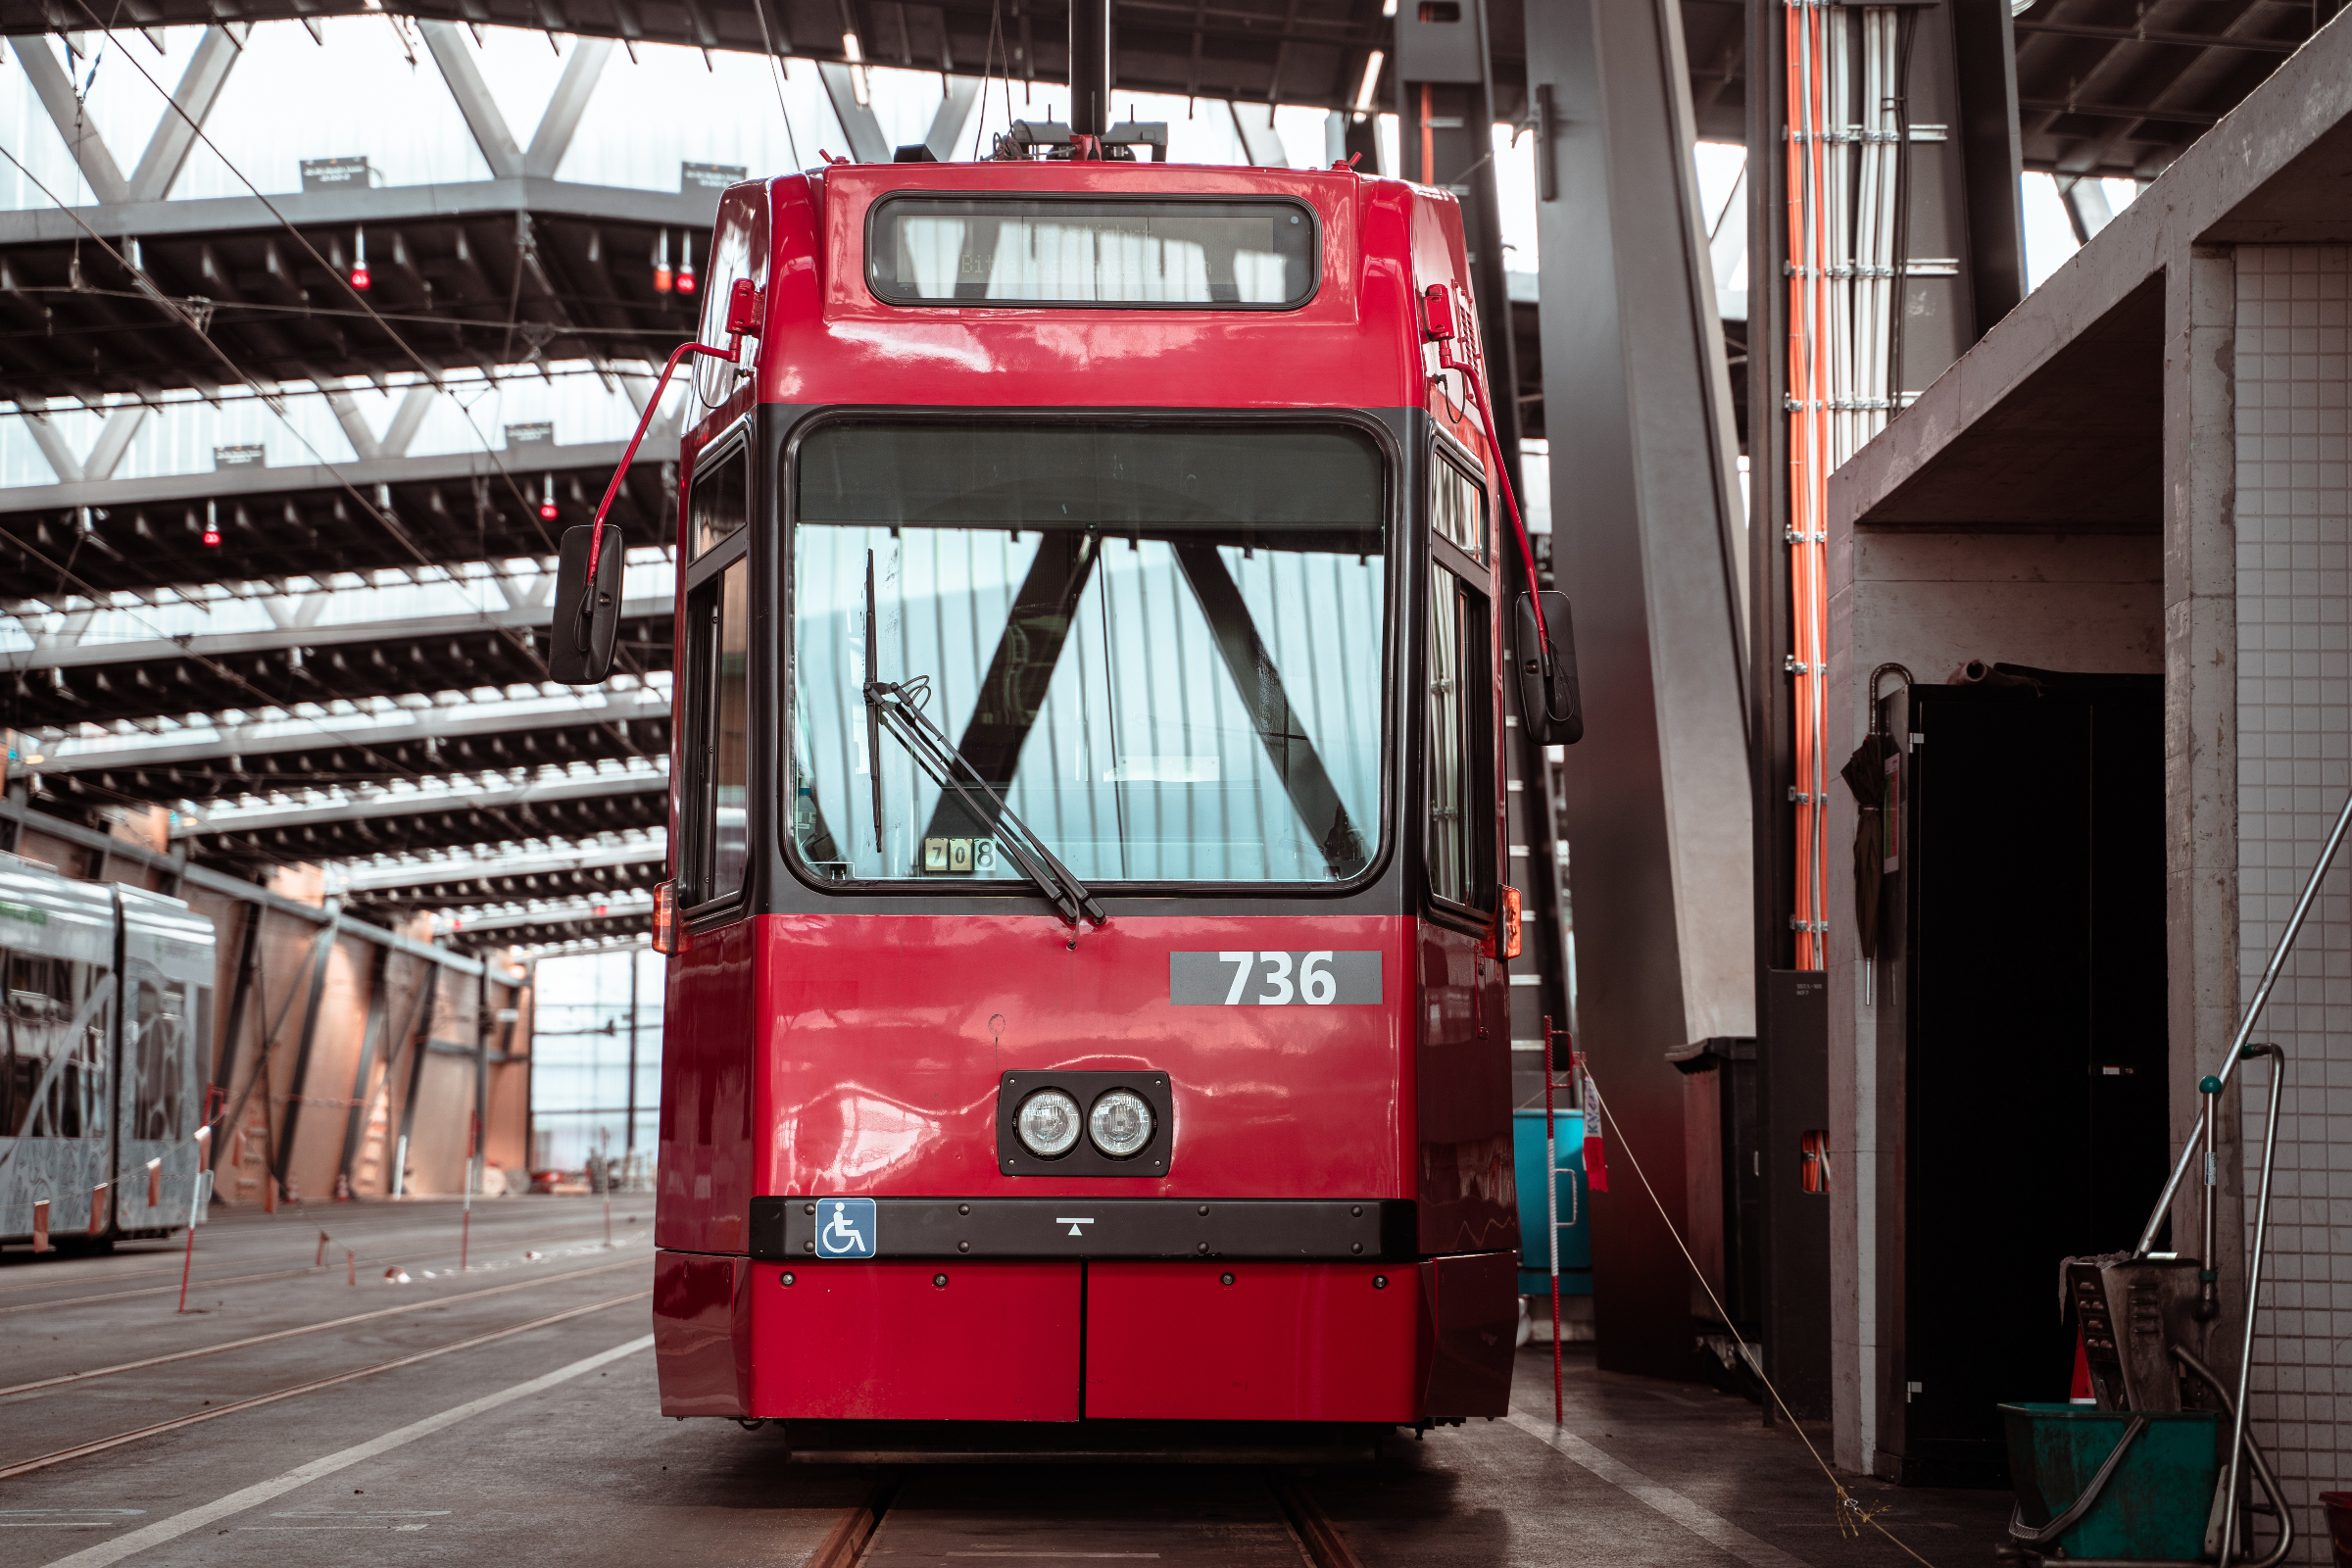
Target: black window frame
{"type": "Point", "coordinates": [1400, 513]}
{"type": "Point", "coordinates": [882, 205]}
{"type": "Point", "coordinates": [695, 691]}
{"type": "Point", "coordinates": [1450, 567]}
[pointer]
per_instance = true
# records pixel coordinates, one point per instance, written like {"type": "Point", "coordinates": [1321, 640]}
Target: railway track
{"type": "Point", "coordinates": [160, 1387]}
{"type": "Point", "coordinates": [499, 1242]}
{"type": "Point", "coordinates": [1254, 1515]}
{"type": "Point", "coordinates": [155, 1429]}
{"type": "Point", "coordinates": [423, 1305]}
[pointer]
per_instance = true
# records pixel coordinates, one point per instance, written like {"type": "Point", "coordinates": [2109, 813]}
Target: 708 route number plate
{"type": "Point", "coordinates": [1242, 979]}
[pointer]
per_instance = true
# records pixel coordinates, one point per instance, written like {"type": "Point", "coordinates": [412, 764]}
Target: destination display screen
{"type": "Point", "coordinates": [1075, 251]}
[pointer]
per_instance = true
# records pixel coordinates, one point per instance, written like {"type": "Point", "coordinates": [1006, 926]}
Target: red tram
{"type": "Point", "coordinates": [1087, 997]}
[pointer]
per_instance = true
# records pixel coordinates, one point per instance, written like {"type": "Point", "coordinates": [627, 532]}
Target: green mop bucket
{"type": "Point", "coordinates": [2154, 1506]}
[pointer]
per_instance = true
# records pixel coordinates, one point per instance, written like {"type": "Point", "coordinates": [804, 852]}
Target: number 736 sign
{"type": "Point", "coordinates": [1243, 979]}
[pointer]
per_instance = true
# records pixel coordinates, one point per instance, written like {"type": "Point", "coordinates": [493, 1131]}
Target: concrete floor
{"type": "Point", "coordinates": [548, 1440]}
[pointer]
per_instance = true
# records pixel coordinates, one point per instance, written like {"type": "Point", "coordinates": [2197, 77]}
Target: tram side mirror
{"type": "Point", "coordinates": [1437, 309]}
{"type": "Point", "coordinates": [579, 647]}
{"type": "Point", "coordinates": [743, 309]}
{"type": "Point", "coordinates": [1549, 704]}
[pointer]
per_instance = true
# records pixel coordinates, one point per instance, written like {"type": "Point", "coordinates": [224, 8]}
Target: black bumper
{"type": "Point", "coordinates": [1318, 1230]}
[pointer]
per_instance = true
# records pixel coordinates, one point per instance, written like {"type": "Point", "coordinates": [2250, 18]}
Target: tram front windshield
{"type": "Point", "coordinates": [1160, 643]}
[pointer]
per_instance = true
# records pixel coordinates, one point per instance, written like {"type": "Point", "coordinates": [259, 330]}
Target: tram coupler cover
{"type": "Point", "coordinates": [587, 624]}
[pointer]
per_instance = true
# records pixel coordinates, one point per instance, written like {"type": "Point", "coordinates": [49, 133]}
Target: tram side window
{"type": "Point", "coordinates": [718, 649]}
{"type": "Point", "coordinates": [1458, 511]}
{"type": "Point", "coordinates": [55, 1039]}
{"type": "Point", "coordinates": [1459, 858]}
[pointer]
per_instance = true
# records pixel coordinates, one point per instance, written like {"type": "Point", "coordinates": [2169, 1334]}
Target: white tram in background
{"type": "Point", "coordinates": [106, 1024]}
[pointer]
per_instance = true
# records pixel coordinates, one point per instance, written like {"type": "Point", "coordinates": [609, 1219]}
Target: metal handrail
{"type": "Point", "coordinates": [2245, 1027]}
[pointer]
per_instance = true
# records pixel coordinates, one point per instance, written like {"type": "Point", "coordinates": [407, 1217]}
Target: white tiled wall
{"type": "Point", "coordinates": [2294, 618]}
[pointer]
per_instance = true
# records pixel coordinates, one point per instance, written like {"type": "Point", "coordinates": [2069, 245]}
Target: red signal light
{"type": "Point", "coordinates": [360, 279]}
{"type": "Point", "coordinates": [547, 510]}
{"type": "Point", "coordinates": [685, 281]}
{"type": "Point", "coordinates": [212, 538]}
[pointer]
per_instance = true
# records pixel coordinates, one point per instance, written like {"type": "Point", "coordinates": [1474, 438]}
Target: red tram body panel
{"type": "Point", "coordinates": [1321, 1224]}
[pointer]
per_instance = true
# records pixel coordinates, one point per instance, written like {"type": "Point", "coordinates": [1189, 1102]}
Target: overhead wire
{"type": "Point", "coordinates": [98, 597]}
{"type": "Point", "coordinates": [222, 308]}
{"type": "Point", "coordinates": [431, 372]}
{"type": "Point", "coordinates": [1851, 1514]}
{"type": "Point", "coordinates": [775, 71]}
{"type": "Point", "coordinates": [121, 797]}
{"type": "Point", "coordinates": [391, 525]}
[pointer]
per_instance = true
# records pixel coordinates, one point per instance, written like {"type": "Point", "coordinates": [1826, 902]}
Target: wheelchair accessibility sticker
{"type": "Point", "coordinates": [846, 1227]}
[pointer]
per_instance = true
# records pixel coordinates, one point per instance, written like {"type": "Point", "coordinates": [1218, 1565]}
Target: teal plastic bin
{"type": "Point", "coordinates": [2155, 1506]}
{"type": "Point", "coordinates": [1575, 1239]}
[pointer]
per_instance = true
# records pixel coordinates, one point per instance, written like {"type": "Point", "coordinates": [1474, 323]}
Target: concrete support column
{"type": "Point", "coordinates": [1649, 544]}
{"type": "Point", "coordinates": [2201, 729]}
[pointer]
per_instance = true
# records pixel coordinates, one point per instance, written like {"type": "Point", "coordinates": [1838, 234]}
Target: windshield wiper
{"type": "Point", "coordinates": [897, 706]}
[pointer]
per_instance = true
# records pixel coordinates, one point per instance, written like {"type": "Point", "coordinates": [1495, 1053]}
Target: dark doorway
{"type": "Point", "coordinates": [2027, 953]}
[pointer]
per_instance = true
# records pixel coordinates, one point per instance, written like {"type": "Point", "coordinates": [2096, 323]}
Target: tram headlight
{"type": "Point", "coordinates": [1048, 1122]}
{"type": "Point", "coordinates": [1120, 1123]}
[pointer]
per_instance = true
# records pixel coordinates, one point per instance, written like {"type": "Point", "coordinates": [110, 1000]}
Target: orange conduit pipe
{"type": "Point", "coordinates": [1807, 402]}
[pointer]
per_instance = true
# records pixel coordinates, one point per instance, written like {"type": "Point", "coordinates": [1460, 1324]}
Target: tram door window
{"type": "Point", "coordinates": [160, 1055]}
{"type": "Point", "coordinates": [55, 1023]}
{"type": "Point", "coordinates": [717, 648]}
{"type": "Point", "coordinates": [1460, 753]}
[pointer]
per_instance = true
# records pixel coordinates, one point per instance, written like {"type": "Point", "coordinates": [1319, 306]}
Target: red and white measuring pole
{"type": "Point", "coordinates": [199, 1189]}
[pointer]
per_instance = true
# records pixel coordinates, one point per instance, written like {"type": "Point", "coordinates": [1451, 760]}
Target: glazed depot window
{"type": "Point", "coordinates": [937, 250]}
{"type": "Point", "coordinates": [1163, 645]}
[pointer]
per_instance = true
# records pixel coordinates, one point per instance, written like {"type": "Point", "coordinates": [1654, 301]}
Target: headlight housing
{"type": "Point", "coordinates": [1120, 1123]}
{"type": "Point", "coordinates": [1048, 1123]}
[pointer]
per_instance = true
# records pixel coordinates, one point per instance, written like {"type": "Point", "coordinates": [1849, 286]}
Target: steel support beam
{"type": "Point", "coordinates": [867, 144]}
{"type": "Point", "coordinates": [197, 876]}
{"type": "Point", "coordinates": [1646, 541]}
{"type": "Point", "coordinates": [561, 117]}
{"type": "Point", "coordinates": [121, 426]}
{"type": "Point", "coordinates": [401, 726]}
{"type": "Point", "coordinates": [2086, 209]}
{"type": "Point", "coordinates": [371, 1032]}
{"type": "Point", "coordinates": [245, 483]}
{"type": "Point", "coordinates": [123, 219]}
{"type": "Point", "coordinates": [55, 87]}
{"type": "Point", "coordinates": [953, 117]}
{"type": "Point", "coordinates": [504, 920]}
{"type": "Point", "coordinates": [449, 794]}
{"type": "Point", "coordinates": [175, 132]}
{"type": "Point", "coordinates": [67, 651]}
{"type": "Point", "coordinates": [361, 878]}
{"type": "Point", "coordinates": [52, 444]}
{"type": "Point", "coordinates": [1254, 124]}
{"type": "Point", "coordinates": [1992, 157]}
{"type": "Point", "coordinates": [1445, 72]}
{"type": "Point", "coordinates": [472, 97]}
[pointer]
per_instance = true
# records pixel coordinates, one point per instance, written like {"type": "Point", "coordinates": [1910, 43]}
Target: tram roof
{"type": "Point", "coordinates": [1354, 343]}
